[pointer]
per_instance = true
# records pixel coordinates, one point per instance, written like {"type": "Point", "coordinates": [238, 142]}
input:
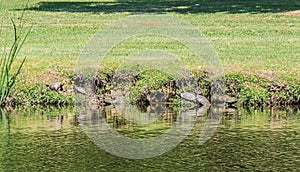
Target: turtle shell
{"type": "Point", "coordinates": [188, 96]}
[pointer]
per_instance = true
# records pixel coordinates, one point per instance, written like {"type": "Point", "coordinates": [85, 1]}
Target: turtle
{"type": "Point", "coordinates": [188, 96]}
{"type": "Point", "coordinates": [56, 86]}
{"type": "Point", "coordinates": [195, 98]}
{"type": "Point", "coordinates": [202, 100]}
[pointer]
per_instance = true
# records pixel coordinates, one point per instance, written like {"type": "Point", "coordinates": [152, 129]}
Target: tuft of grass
{"type": "Point", "coordinates": [147, 81]}
{"type": "Point", "coordinates": [37, 95]}
{"type": "Point", "coordinates": [253, 90]}
{"type": "Point", "coordinates": [7, 75]}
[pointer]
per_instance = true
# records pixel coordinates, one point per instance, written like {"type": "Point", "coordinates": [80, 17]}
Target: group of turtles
{"type": "Point", "coordinates": [188, 96]}
{"type": "Point", "coordinates": [201, 100]}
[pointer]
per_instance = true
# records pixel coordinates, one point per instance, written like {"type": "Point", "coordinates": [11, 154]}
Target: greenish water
{"type": "Point", "coordinates": [245, 140]}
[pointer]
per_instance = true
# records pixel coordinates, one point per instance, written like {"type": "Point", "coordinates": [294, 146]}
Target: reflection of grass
{"type": "Point", "coordinates": [37, 120]}
{"type": "Point", "coordinates": [145, 131]}
{"type": "Point", "coordinates": [247, 43]}
{"type": "Point", "coordinates": [131, 125]}
{"type": "Point", "coordinates": [273, 118]}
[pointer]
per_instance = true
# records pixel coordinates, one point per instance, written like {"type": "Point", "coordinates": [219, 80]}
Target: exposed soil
{"type": "Point", "coordinates": [295, 12]}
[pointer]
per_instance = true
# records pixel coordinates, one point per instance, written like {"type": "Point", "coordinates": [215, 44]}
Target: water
{"type": "Point", "coordinates": [245, 140]}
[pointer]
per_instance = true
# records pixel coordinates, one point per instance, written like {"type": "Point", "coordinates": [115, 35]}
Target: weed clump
{"type": "Point", "coordinates": [8, 58]}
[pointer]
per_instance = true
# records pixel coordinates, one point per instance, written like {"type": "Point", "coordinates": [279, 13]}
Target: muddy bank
{"type": "Point", "coordinates": [153, 86]}
{"type": "Point", "coordinates": [248, 90]}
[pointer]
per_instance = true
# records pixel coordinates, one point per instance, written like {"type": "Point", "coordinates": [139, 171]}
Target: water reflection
{"type": "Point", "coordinates": [246, 139]}
{"type": "Point", "coordinates": [141, 134]}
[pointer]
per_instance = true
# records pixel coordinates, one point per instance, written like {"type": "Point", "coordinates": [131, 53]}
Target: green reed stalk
{"type": "Point", "coordinates": [7, 75]}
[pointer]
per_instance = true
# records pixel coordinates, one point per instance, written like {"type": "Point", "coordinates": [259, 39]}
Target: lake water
{"type": "Point", "coordinates": [244, 140]}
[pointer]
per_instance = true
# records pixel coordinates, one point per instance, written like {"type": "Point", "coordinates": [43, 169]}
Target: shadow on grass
{"type": "Point", "coordinates": [179, 6]}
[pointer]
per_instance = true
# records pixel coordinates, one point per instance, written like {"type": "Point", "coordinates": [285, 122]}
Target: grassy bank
{"type": "Point", "coordinates": [257, 41]}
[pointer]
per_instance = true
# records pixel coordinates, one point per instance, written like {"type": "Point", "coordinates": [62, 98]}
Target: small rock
{"type": "Point", "coordinates": [156, 96]}
{"type": "Point", "coordinates": [80, 90]}
{"type": "Point", "coordinates": [144, 88]}
{"type": "Point", "coordinates": [230, 102]}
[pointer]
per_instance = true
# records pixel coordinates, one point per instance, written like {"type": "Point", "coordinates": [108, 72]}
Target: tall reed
{"type": "Point", "coordinates": [8, 73]}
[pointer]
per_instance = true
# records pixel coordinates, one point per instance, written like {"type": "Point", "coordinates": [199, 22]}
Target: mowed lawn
{"type": "Point", "coordinates": [252, 36]}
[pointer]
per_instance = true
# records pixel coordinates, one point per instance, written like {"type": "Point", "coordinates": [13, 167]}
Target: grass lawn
{"type": "Point", "coordinates": [259, 37]}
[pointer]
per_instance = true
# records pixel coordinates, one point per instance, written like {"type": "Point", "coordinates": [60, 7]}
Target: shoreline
{"type": "Point", "coordinates": [249, 90]}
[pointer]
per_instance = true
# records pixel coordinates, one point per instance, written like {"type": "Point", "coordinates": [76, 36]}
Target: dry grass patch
{"type": "Point", "coordinates": [295, 12]}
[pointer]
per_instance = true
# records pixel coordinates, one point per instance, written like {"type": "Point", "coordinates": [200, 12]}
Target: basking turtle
{"type": "Point", "coordinates": [196, 99]}
{"type": "Point", "coordinates": [56, 86]}
{"type": "Point", "coordinates": [188, 96]}
{"type": "Point", "coordinates": [202, 100]}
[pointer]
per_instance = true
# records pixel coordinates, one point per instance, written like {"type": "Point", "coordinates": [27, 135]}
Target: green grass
{"type": "Point", "coordinates": [251, 37]}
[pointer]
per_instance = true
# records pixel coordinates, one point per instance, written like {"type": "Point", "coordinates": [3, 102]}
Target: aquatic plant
{"type": "Point", "coordinates": [8, 75]}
